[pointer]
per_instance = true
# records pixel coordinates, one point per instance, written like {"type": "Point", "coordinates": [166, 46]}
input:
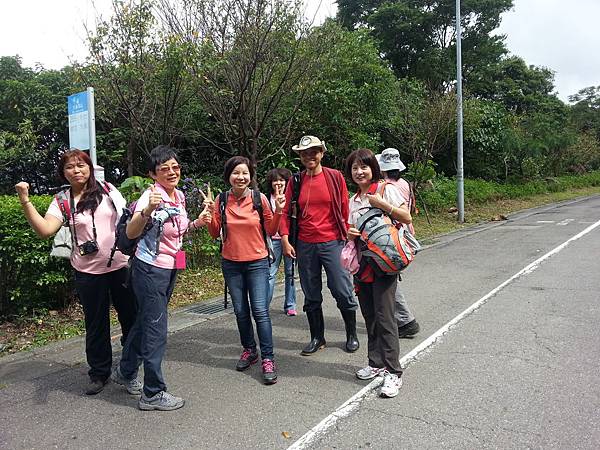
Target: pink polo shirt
{"type": "Point", "coordinates": [175, 222]}
{"type": "Point", "coordinates": [105, 218]}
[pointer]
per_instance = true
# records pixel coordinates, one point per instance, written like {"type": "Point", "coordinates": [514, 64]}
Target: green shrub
{"type": "Point", "coordinates": [442, 195]}
{"type": "Point", "coordinates": [29, 277]}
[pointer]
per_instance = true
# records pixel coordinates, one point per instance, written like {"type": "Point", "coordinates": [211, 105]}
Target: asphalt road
{"type": "Point", "coordinates": [506, 358]}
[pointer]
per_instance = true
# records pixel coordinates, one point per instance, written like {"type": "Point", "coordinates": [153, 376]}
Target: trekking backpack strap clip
{"type": "Point", "coordinates": [223, 211]}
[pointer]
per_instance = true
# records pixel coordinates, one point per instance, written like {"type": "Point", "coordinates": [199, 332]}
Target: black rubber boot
{"type": "Point", "coordinates": [317, 332]}
{"type": "Point", "coordinates": [352, 343]}
{"type": "Point", "coordinates": [408, 330]}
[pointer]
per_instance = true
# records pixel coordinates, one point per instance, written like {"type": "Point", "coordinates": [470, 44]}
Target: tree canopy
{"type": "Point", "coordinates": [221, 77]}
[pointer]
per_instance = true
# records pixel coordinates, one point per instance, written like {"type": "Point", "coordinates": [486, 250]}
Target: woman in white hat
{"type": "Point", "coordinates": [391, 166]}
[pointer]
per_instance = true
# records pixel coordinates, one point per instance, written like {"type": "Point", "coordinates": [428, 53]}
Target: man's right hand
{"type": "Point", "coordinates": [288, 250]}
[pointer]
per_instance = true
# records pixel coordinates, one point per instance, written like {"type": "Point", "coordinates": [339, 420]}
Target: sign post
{"type": "Point", "coordinates": [82, 126]}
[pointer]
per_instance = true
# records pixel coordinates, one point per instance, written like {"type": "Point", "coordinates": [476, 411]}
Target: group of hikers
{"type": "Point", "coordinates": [306, 218]}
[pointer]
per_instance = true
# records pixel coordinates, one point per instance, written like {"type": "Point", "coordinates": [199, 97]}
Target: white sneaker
{"type": "Point", "coordinates": [368, 373]}
{"type": "Point", "coordinates": [163, 401]}
{"type": "Point", "coordinates": [391, 385]}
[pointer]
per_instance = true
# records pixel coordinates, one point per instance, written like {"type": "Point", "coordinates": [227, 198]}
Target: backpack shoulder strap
{"type": "Point", "coordinates": [296, 183]}
{"type": "Point", "coordinates": [222, 208]}
{"type": "Point", "coordinates": [257, 205]}
{"type": "Point", "coordinates": [376, 188]}
{"type": "Point", "coordinates": [105, 187]}
{"type": "Point", "coordinates": [63, 203]}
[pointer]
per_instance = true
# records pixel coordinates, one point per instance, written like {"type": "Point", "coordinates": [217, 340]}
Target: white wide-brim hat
{"type": "Point", "coordinates": [389, 159]}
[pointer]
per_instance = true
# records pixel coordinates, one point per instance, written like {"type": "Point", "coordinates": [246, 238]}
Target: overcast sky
{"type": "Point", "coordinates": [558, 34]}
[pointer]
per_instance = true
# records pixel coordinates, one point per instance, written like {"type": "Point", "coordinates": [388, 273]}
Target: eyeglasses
{"type": "Point", "coordinates": [167, 169]}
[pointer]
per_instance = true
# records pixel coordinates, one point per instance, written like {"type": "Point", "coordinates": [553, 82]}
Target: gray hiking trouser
{"type": "Point", "coordinates": [402, 313]}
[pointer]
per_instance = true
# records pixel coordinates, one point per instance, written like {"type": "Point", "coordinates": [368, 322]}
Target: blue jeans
{"type": "Point", "coordinates": [248, 286]}
{"type": "Point", "coordinates": [147, 339]}
{"type": "Point", "coordinates": [312, 258]}
{"type": "Point", "coordinates": [288, 266]}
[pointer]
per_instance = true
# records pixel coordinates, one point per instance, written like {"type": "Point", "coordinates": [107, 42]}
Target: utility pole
{"type": "Point", "coordinates": [460, 180]}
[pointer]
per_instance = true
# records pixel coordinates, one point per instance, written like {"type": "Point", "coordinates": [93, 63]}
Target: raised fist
{"type": "Point", "coordinates": [22, 189]}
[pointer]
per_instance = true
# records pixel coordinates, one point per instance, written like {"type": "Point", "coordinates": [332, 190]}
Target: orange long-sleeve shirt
{"type": "Point", "coordinates": [244, 240]}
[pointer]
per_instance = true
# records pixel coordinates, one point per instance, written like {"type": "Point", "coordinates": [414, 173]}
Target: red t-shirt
{"type": "Point", "coordinates": [316, 222]}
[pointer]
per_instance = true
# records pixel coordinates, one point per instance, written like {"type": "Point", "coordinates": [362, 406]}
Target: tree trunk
{"type": "Point", "coordinates": [130, 156]}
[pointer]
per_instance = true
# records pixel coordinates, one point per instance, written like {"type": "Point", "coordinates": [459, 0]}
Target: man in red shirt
{"type": "Point", "coordinates": [321, 213]}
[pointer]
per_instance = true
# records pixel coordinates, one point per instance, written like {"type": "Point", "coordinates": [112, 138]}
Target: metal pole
{"type": "Point", "coordinates": [459, 120]}
{"type": "Point", "coordinates": [98, 170]}
{"type": "Point", "coordinates": [92, 125]}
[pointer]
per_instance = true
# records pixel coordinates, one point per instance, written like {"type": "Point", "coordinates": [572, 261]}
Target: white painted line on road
{"type": "Point", "coordinates": [544, 221]}
{"type": "Point", "coordinates": [565, 222]}
{"type": "Point", "coordinates": [354, 402]}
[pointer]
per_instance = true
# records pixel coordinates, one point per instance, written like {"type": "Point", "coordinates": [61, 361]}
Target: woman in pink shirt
{"type": "Point", "coordinates": [91, 216]}
{"type": "Point", "coordinates": [245, 260]}
{"type": "Point", "coordinates": [160, 221]}
{"type": "Point", "coordinates": [376, 297]}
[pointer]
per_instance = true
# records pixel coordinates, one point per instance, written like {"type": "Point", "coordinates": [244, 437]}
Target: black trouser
{"type": "Point", "coordinates": [96, 292]}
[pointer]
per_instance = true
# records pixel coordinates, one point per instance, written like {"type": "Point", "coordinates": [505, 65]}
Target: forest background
{"type": "Point", "coordinates": [215, 78]}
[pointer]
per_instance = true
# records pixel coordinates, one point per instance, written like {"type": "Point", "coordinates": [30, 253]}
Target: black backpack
{"type": "Point", "coordinates": [294, 209]}
{"type": "Point", "coordinates": [123, 243]}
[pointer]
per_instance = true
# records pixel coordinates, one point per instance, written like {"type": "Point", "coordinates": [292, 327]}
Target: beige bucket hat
{"type": "Point", "coordinates": [307, 142]}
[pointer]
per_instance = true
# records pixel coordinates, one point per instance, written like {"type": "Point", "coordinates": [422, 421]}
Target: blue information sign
{"type": "Point", "coordinates": [79, 121]}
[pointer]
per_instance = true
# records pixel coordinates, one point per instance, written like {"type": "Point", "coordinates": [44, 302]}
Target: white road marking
{"type": "Point", "coordinates": [545, 221]}
{"type": "Point", "coordinates": [354, 402]}
{"type": "Point", "coordinates": [565, 222]}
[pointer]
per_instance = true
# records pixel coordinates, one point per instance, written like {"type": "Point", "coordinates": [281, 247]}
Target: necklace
{"type": "Point", "coordinates": [305, 209]}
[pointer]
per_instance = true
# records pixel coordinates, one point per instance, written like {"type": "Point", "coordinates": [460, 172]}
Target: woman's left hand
{"type": "Point", "coordinates": [376, 201]}
{"type": "Point", "coordinates": [353, 233]}
{"type": "Point", "coordinates": [279, 202]}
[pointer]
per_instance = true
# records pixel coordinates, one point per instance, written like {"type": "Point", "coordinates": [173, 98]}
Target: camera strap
{"type": "Point", "coordinates": [72, 207]}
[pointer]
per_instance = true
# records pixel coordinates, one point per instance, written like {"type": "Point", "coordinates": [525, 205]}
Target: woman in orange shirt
{"type": "Point", "coordinates": [245, 260]}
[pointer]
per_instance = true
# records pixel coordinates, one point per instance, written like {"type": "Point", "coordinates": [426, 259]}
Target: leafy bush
{"type": "Point", "coordinates": [29, 277]}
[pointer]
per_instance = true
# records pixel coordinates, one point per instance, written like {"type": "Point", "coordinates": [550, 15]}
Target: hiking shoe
{"type": "Point", "coordinates": [249, 357]}
{"type": "Point", "coordinates": [163, 401]}
{"type": "Point", "coordinates": [269, 371]}
{"type": "Point", "coordinates": [391, 385]}
{"type": "Point", "coordinates": [368, 373]}
{"type": "Point", "coordinates": [409, 329]}
{"type": "Point", "coordinates": [95, 386]}
{"type": "Point", "coordinates": [291, 312]}
{"type": "Point", "coordinates": [133, 386]}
